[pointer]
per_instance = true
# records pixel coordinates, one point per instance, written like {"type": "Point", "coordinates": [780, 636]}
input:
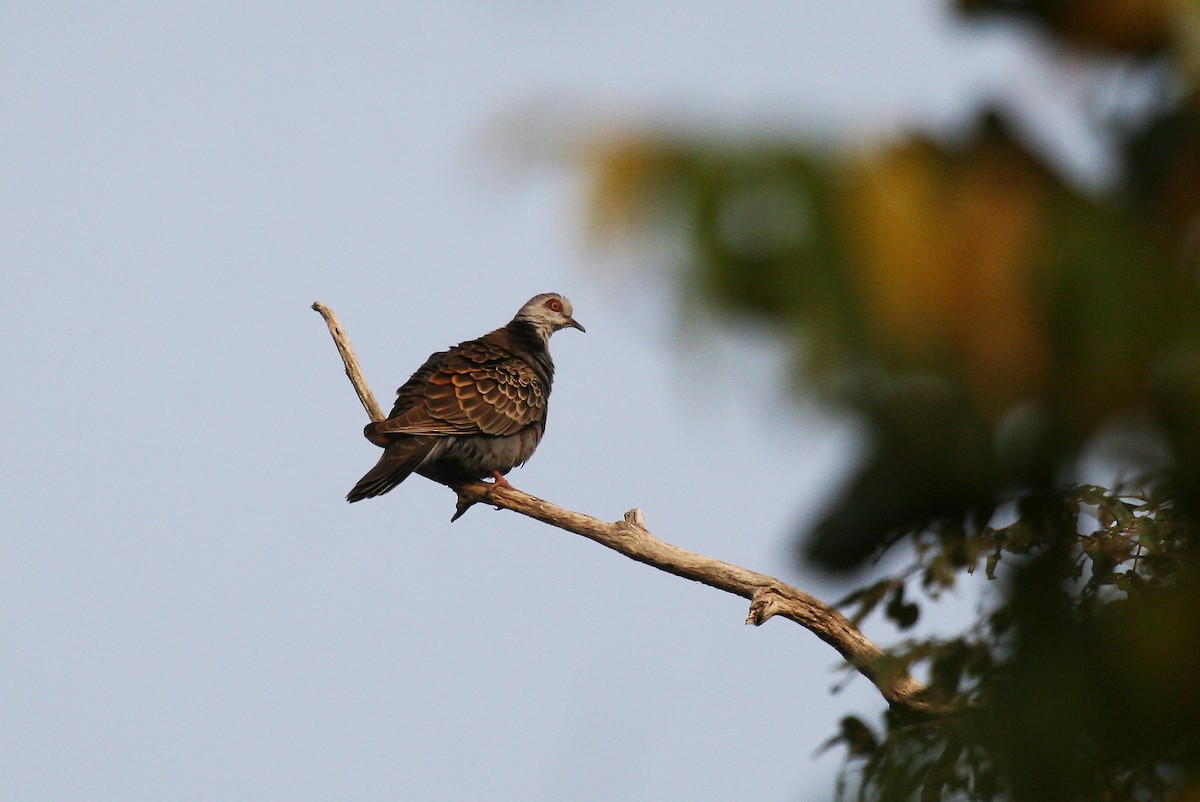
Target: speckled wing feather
{"type": "Point", "coordinates": [478, 387]}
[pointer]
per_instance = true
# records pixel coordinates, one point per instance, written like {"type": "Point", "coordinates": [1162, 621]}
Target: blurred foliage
{"type": "Point", "coordinates": [992, 325]}
{"type": "Point", "coordinates": [1122, 26]}
{"type": "Point", "coordinates": [1079, 682]}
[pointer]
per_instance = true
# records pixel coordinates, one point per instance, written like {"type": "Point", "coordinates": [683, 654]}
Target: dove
{"type": "Point", "coordinates": [474, 411]}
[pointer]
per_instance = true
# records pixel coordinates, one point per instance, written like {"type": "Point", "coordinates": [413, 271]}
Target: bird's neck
{"type": "Point", "coordinates": [531, 333]}
{"type": "Point", "coordinates": [533, 338]}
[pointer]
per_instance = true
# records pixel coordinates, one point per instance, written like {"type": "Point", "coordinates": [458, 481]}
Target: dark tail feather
{"type": "Point", "coordinates": [399, 460]}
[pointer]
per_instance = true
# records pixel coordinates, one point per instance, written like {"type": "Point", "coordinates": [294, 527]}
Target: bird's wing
{"type": "Point", "coordinates": [474, 388]}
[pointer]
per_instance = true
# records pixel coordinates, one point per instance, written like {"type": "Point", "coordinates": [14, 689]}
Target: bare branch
{"type": "Point", "coordinates": [353, 371]}
{"type": "Point", "coordinates": [769, 597]}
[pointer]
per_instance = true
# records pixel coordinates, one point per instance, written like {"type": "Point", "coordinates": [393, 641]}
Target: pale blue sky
{"type": "Point", "coordinates": [190, 609]}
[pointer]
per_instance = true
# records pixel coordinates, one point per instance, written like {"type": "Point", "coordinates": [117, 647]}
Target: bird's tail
{"type": "Point", "coordinates": [399, 460]}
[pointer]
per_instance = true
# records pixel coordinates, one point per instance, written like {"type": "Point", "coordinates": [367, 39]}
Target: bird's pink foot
{"type": "Point", "coordinates": [500, 481]}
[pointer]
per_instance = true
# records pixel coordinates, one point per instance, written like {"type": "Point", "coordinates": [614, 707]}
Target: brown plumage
{"type": "Point", "coordinates": [476, 410]}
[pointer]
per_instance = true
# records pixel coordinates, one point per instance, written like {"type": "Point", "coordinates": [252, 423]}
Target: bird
{"type": "Point", "coordinates": [474, 411]}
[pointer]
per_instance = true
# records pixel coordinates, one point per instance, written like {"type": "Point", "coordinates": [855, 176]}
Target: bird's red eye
{"type": "Point", "coordinates": [554, 305]}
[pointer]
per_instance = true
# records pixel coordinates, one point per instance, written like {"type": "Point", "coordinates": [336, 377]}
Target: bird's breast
{"type": "Point", "coordinates": [477, 456]}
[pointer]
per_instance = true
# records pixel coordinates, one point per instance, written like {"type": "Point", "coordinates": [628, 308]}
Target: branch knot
{"type": "Point", "coordinates": [766, 603]}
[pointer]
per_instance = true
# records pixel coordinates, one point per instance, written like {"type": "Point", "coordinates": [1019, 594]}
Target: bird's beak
{"type": "Point", "coordinates": [575, 324]}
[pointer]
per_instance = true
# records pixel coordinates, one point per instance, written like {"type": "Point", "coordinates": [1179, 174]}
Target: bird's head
{"type": "Point", "coordinates": [548, 313]}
